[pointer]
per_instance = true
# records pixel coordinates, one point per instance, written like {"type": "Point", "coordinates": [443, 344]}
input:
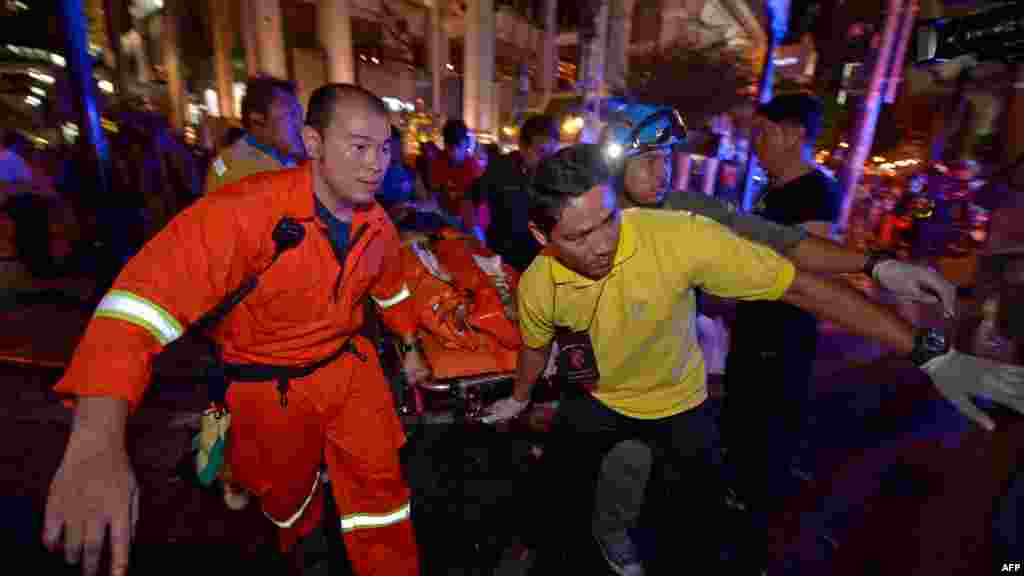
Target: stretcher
{"type": "Point", "coordinates": [463, 297]}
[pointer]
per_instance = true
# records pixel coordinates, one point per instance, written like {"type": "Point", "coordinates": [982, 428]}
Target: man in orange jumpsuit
{"type": "Point", "coordinates": [306, 307]}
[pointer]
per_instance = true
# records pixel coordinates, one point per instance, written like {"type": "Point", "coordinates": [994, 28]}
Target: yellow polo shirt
{"type": "Point", "coordinates": [641, 316]}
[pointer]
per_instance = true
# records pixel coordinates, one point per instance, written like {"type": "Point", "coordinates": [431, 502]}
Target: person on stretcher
{"type": "Point", "coordinates": [464, 298]}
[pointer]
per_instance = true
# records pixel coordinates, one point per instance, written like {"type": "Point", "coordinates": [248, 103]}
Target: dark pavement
{"type": "Point", "coordinates": [904, 484]}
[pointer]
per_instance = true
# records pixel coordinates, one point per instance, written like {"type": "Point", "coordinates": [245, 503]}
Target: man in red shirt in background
{"type": "Point", "coordinates": [452, 175]}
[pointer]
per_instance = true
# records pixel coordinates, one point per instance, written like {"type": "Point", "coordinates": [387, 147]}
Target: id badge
{"type": "Point", "coordinates": [577, 364]}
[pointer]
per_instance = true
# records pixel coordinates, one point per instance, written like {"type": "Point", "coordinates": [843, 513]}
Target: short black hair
{"type": "Point", "coordinates": [322, 103]}
{"type": "Point", "coordinates": [259, 96]}
{"type": "Point", "coordinates": [800, 109]}
{"type": "Point", "coordinates": [567, 174]}
{"type": "Point", "coordinates": [539, 126]}
{"type": "Point", "coordinates": [454, 132]}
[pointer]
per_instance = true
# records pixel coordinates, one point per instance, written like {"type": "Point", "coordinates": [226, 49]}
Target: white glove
{"type": "Point", "coordinates": [916, 283]}
{"type": "Point", "coordinates": [504, 409]}
{"type": "Point", "coordinates": [959, 376]}
{"type": "Point", "coordinates": [713, 337]}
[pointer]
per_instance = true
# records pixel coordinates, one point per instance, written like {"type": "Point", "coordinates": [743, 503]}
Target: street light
{"type": "Point", "coordinates": [572, 125]}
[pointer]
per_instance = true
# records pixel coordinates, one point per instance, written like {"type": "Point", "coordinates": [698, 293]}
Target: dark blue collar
{"type": "Point", "coordinates": [337, 230]}
{"type": "Point", "coordinates": [283, 161]}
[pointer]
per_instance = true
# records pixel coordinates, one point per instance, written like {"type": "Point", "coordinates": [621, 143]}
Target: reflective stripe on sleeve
{"type": "Point", "coordinates": [141, 312]}
{"type": "Point", "coordinates": [358, 521]}
{"type": "Point", "coordinates": [389, 302]}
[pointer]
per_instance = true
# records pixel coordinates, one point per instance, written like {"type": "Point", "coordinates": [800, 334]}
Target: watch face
{"type": "Point", "coordinates": [935, 341]}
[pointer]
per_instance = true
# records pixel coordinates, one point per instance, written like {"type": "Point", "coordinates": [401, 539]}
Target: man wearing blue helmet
{"type": "Point", "coordinates": [637, 143]}
{"type": "Point", "coordinates": [615, 289]}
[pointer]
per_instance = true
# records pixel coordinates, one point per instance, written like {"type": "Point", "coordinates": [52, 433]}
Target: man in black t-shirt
{"type": "Point", "coordinates": [504, 188]}
{"type": "Point", "coordinates": [768, 371]}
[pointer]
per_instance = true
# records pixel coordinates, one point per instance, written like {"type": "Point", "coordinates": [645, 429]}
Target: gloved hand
{"type": "Point", "coordinates": [713, 338]}
{"type": "Point", "coordinates": [959, 376]}
{"type": "Point", "coordinates": [916, 283]}
{"type": "Point", "coordinates": [504, 409]}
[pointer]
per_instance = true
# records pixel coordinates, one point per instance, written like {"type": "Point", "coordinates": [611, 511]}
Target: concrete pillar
{"type": "Point", "coordinates": [764, 95]}
{"type": "Point", "coordinates": [707, 184]}
{"type": "Point", "coordinates": [478, 75]}
{"type": "Point", "coordinates": [496, 110]}
{"type": "Point", "coordinates": [249, 41]}
{"type": "Point", "coordinates": [549, 52]}
{"type": "Point", "coordinates": [864, 136]}
{"type": "Point", "coordinates": [96, 13]}
{"type": "Point", "coordinates": [439, 55]}
{"type": "Point", "coordinates": [169, 35]}
{"type": "Point", "coordinates": [265, 19]}
{"type": "Point", "coordinates": [522, 98]}
{"type": "Point", "coordinates": [593, 47]}
{"type": "Point", "coordinates": [112, 13]}
{"type": "Point", "coordinates": [92, 142]}
{"type": "Point", "coordinates": [1013, 132]}
{"type": "Point", "coordinates": [221, 30]}
{"type": "Point", "coordinates": [683, 167]}
{"type": "Point", "coordinates": [335, 29]}
{"type": "Point", "coordinates": [620, 24]}
{"type": "Point", "coordinates": [896, 72]}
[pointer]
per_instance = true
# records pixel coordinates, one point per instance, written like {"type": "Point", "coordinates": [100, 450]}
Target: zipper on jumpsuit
{"type": "Point", "coordinates": [283, 384]}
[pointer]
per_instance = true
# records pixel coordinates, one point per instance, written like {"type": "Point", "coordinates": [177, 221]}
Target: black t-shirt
{"type": "Point", "coordinates": [777, 326]}
{"type": "Point", "coordinates": [505, 188]}
{"type": "Point", "coordinates": [813, 197]}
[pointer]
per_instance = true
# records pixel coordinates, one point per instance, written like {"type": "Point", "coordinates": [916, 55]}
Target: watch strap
{"type": "Point", "coordinates": [875, 257]}
{"type": "Point", "coordinates": [928, 344]}
{"type": "Point", "coordinates": [405, 347]}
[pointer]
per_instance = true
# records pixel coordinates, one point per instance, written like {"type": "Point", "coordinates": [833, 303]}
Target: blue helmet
{"type": "Point", "coordinates": [634, 129]}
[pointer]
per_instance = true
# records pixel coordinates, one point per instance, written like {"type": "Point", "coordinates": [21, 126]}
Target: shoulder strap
{"type": "Point", "coordinates": [288, 234]}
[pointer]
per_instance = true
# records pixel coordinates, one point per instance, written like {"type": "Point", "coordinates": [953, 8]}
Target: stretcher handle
{"type": "Point", "coordinates": [468, 382]}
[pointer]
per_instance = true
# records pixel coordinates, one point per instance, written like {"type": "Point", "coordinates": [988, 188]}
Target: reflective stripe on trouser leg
{"type": "Point", "coordinates": [371, 494]}
{"type": "Point", "coordinates": [290, 521]}
{"type": "Point", "coordinates": [358, 521]}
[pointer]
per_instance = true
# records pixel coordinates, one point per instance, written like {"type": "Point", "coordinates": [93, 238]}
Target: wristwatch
{"type": "Point", "coordinates": [928, 344]}
{"type": "Point", "coordinates": [874, 257]}
{"type": "Point", "coordinates": [405, 347]}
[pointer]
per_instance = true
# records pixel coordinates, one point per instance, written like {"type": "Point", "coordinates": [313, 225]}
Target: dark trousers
{"type": "Point", "coordinates": [682, 494]}
{"type": "Point", "coordinates": [764, 428]}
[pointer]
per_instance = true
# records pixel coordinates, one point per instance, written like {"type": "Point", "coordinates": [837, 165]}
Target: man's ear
{"type": "Point", "coordinates": [312, 141]}
{"type": "Point", "coordinates": [537, 234]}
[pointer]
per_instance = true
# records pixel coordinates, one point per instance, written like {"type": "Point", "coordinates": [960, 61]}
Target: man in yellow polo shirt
{"type": "Point", "coordinates": [616, 289]}
{"type": "Point", "coordinates": [272, 140]}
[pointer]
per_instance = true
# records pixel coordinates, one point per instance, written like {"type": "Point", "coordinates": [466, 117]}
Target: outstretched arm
{"type": "Point", "coordinates": [837, 302]}
{"type": "Point", "coordinates": [957, 377]}
{"type": "Point", "coordinates": [822, 256]}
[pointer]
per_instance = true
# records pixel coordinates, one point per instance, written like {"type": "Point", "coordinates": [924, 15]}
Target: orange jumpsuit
{"type": "Point", "coordinates": [304, 307]}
